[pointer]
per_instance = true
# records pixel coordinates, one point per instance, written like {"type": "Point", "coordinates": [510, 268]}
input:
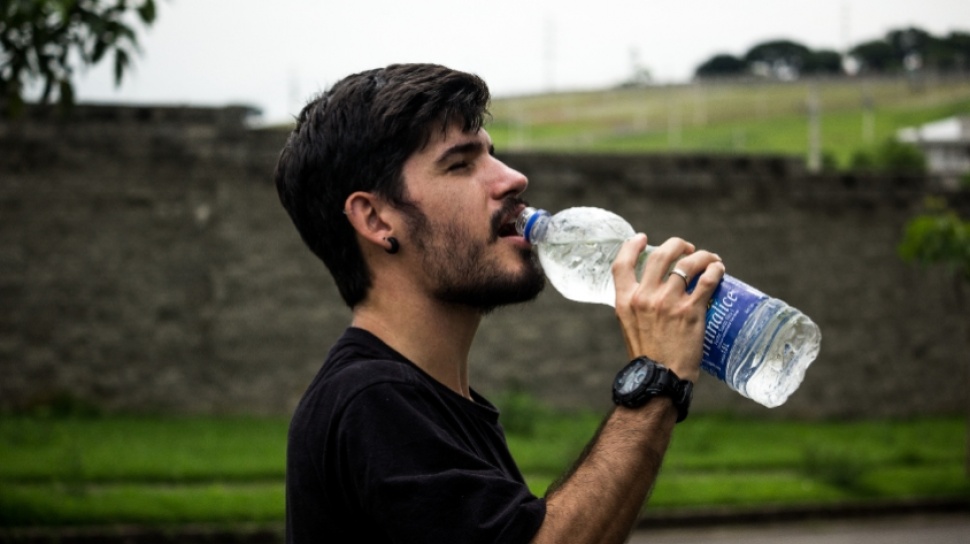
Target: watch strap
{"type": "Point", "coordinates": [664, 383]}
{"type": "Point", "coordinates": [679, 391]}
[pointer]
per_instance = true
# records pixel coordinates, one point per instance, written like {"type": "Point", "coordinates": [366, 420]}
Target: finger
{"type": "Point", "coordinates": [683, 273]}
{"type": "Point", "coordinates": [624, 266]}
{"type": "Point", "coordinates": [680, 274]}
{"type": "Point", "coordinates": [663, 258]}
{"type": "Point", "coordinates": [708, 281]}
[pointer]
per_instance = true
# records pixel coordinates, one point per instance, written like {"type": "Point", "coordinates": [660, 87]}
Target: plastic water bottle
{"type": "Point", "coordinates": [758, 345]}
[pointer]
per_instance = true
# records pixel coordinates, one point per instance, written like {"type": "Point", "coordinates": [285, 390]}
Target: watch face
{"type": "Point", "coordinates": [635, 375]}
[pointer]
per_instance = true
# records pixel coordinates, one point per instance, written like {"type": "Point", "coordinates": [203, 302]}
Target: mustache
{"type": "Point", "coordinates": [499, 218]}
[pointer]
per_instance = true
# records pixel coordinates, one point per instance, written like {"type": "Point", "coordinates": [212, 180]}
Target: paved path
{"type": "Point", "coordinates": [925, 529]}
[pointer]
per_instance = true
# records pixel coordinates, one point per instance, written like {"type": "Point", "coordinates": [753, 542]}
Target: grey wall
{"type": "Point", "coordinates": [146, 265]}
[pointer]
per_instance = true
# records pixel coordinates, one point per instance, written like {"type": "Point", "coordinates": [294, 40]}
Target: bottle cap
{"type": "Point", "coordinates": [527, 220]}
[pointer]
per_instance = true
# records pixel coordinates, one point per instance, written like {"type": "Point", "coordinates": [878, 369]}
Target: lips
{"type": "Point", "coordinates": [507, 229]}
{"type": "Point", "coordinates": [503, 222]}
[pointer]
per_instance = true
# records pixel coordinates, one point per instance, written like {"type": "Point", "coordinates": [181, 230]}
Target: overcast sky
{"type": "Point", "coordinates": [275, 54]}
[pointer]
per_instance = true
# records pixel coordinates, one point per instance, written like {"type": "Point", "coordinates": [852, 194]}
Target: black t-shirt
{"type": "Point", "coordinates": [381, 452]}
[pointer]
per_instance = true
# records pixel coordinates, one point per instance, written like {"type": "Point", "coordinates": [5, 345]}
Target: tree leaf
{"type": "Point", "coordinates": [121, 64]}
{"type": "Point", "coordinates": [940, 236]}
{"type": "Point", "coordinates": [41, 40]}
{"type": "Point", "coordinates": [147, 12]}
{"type": "Point", "coordinates": [100, 46]}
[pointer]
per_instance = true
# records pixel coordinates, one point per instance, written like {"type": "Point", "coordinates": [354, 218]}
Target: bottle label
{"type": "Point", "coordinates": [730, 307]}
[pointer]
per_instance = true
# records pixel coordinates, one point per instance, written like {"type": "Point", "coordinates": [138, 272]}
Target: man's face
{"type": "Point", "coordinates": [466, 202]}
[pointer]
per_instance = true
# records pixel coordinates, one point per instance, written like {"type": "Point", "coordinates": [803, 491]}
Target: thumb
{"type": "Point", "coordinates": [624, 266]}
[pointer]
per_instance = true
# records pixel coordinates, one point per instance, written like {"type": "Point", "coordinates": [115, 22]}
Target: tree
{"type": "Point", "coordinates": [917, 49]}
{"type": "Point", "coordinates": [914, 49]}
{"type": "Point", "coordinates": [782, 59]}
{"type": "Point", "coordinates": [951, 53]}
{"type": "Point", "coordinates": [823, 62]}
{"type": "Point", "coordinates": [721, 65]}
{"type": "Point", "coordinates": [905, 49]}
{"type": "Point", "coordinates": [43, 39]}
{"type": "Point", "coordinates": [877, 57]}
{"type": "Point", "coordinates": [908, 41]}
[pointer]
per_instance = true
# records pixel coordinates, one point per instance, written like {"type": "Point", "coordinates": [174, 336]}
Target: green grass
{"type": "Point", "coordinates": [108, 470]}
{"type": "Point", "coordinates": [77, 503]}
{"type": "Point", "coordinates": [855, 115]}
{"type": "Point", "coordinates": [120, 449]}
{"type": "Point", "coordinates": [722, 461]}
{"type": "Point", "coordinates": [96, 470]}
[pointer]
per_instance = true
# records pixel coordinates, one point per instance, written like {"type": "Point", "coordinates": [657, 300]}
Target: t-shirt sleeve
{"type": "Point", "coordinates": [403, 460]}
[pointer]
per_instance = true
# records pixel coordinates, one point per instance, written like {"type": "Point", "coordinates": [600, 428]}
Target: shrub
{"type": "Point", "coordinates": [899, 157]}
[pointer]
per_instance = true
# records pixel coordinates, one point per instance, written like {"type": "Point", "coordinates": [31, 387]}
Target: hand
{"type": "Point", "coordinates": [658, 317]}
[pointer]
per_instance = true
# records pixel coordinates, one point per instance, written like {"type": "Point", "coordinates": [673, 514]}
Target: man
{"type": "Point", "coordinates": [391, 180]}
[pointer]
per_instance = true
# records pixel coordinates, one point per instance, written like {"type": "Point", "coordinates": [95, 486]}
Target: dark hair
{"type": "Point", "coordinates": [356, 137]}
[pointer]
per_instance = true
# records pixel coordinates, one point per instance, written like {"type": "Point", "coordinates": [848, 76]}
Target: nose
{"type": "Point", "coordinates": [509, 181]}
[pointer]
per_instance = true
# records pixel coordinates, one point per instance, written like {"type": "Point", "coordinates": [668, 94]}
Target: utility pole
{"type": "Point", "coordinates": [550, 54]}
{"type": "Point", "coordinates": [814, 130]}
{"type": "Point", "coordinates": [674, 124]}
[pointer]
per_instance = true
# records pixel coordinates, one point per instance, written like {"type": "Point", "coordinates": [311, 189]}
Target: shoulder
{"type": "Point", "coordinates": [359, 361]}
{"type": "Point", "coordinates": [343, 381]}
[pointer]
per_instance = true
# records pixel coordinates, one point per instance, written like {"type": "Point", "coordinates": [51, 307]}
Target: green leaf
{"type": "Point", "coordinates": [147, 12]}
{"type": "Point", "coordinates": [42, 40]}
{"type": "Point", "coordinates": [100, 47]}
{"type": "Point", "coordinates": [121, 63]}
{"type": "Point", "coordinates": [939, 236]}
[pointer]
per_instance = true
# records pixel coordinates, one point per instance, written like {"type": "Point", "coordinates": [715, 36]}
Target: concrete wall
{"type": "Point", "coordinates": [146, 265]}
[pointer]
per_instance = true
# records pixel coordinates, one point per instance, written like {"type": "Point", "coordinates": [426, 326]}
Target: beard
{"type": "Point", "coordinates": [466, 273]}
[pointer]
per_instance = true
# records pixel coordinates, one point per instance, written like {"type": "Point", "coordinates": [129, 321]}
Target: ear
{"type": "Point", "coordinates": [370, 216]}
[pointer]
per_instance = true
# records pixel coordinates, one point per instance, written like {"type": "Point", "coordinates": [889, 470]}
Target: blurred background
{"type": "Point", "coordinates": [275, 57]}
{"type": "Point", "coordinates": [161, 316]}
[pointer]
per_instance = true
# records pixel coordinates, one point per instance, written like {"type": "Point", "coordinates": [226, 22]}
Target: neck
{"type": "Point", "coordinates": [436, 337]}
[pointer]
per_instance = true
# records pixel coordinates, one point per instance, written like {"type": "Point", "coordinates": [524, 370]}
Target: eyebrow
{"type": "Point", "coordinates": [462, 149]}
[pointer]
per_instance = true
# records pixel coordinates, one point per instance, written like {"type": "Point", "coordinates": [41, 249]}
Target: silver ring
{"type": "Point", "coordinates": [683, 275]}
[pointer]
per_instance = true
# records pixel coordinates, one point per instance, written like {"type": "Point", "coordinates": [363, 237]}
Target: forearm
{"type": "Point", "coordinates": [601, 499]}
{"type": "Point", "coordinates": [599, 502]}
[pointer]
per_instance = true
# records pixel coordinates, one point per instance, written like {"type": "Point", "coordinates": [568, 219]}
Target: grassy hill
{"type": "Point", "coordinates": [728, 116]}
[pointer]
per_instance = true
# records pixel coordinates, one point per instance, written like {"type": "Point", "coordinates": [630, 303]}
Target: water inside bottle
{"type": "Point", "coordinates": [581, 272]}
{"type": "Point", "coordinates": [578, 251]}
{"type": "Point", "coordinates": [779, 345]}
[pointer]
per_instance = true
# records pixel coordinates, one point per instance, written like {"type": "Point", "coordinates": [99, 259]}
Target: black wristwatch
{"type": "Point", "coordinates": [644, 379]}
